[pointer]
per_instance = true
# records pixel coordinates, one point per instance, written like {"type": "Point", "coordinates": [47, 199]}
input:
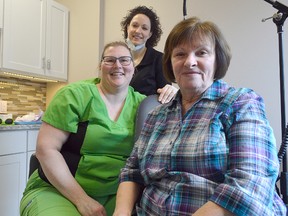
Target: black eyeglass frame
{"type": "Point", "coordinates": [123, 60]}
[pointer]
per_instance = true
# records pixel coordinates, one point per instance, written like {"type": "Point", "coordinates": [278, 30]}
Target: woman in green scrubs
{"type": "Point", "coordinates": [84, 141]}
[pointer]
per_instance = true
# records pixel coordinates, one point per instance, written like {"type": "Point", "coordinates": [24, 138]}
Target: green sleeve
{"type": "Point", "coordinates": [67, 107]}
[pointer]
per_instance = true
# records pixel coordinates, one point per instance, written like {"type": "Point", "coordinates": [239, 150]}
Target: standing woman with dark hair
{"type": "Point", "coordinates": [142, 31]}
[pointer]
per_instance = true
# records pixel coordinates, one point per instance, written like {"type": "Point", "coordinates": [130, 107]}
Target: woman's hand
{"type": "Point", "coordinates": [212, 209]}
{"type": "Point", "coordinates": [166, 93]}
{"type": "Point", "coordinates": [90, 207]}
{"type": "Point", "coordinates": [121, 214]}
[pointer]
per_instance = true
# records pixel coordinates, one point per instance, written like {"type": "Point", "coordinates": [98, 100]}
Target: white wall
{"type": "Point", "coordinates": [254, 43]}
{"type": "Point", "coordinates": [84, 38]}
{"type": "Point", "coordinates": [84, 41]}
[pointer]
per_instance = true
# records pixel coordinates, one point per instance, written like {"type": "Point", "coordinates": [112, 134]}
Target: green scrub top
{"type": "Point", "coordinates": [106, 145]}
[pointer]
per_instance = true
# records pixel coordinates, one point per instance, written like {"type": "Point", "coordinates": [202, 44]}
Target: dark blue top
{"type": "Point", "coordinates": [149, 73]}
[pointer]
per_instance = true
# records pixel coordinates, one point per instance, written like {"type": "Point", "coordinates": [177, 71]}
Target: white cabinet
{"type": "Point", "coordinates": [13, 170]}
{"type": "Point", "coordinates": [56, 40]}
{"type": "Point", "coordinates": [1, 13]}
{"type": "Point", "coordinates": [35, 38]}
{"type": "Point", "coordinates": [13, 167]}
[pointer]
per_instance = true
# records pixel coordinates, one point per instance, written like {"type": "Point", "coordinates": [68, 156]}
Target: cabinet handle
{"type": "Point", "coordinates": [48, 64]}
{"type": "Point", "coordinates": [43, 63]}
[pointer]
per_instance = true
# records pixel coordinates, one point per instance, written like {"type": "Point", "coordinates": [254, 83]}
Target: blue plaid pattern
{"type": "Point", "coordinates": [222, 150]}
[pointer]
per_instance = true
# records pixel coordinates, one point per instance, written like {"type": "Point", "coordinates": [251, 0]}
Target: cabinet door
{"type": "Point", "coordinates": [57, 40]}
{"type": "Point", "coordinates": [13, 142]}
{"type": "Point", "coordinates": [24, 35]}
{"type": "Point", "coordinates": [13, 181]}
{"type": "Point", "coordinates": [1, 13]}
{"type": "Point", "coordinates": [32, 140]}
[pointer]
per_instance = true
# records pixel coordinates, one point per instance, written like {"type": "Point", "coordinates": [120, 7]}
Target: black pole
{"type": "Point", "coordinates": [184, 9]}
{"type": "Point", "coordinates": [284, 176]}
{"type": "Point", "coordinates": [279, 21]}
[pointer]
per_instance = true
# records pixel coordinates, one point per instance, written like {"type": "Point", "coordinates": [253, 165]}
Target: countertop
{"type": "Point", "coordinates": [19, 127]}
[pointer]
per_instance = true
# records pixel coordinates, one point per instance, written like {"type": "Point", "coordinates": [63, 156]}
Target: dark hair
{"type": "Point", "coordinates": [186, 31]}
{"type": "Point", "coordinates": [154, 19]}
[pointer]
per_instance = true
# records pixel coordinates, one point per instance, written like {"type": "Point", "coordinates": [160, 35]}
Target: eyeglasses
{"type": "Point", "coordinates": [111, 60]}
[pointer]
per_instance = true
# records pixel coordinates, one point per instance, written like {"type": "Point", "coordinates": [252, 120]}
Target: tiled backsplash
{"type": "Point", "coordinates": [23, 96]}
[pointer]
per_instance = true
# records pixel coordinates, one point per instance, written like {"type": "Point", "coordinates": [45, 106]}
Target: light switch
{"type": "Point", "coordinates": [3, 106]}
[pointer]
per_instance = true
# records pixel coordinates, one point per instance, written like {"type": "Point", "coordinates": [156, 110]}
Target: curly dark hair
{"type": "Point", "coordinates": [156, 29]}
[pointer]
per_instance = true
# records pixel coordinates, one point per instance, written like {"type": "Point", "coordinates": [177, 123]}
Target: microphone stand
{"type": "Point", "coordinates": [279, 21]}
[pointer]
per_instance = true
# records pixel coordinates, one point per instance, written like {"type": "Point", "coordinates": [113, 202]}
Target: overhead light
{"type": "Point", "coordinates": [3, 84]}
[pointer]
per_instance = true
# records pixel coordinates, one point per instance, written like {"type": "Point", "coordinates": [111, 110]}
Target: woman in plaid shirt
{"type": "Point", "coordinates": [211, 150]}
